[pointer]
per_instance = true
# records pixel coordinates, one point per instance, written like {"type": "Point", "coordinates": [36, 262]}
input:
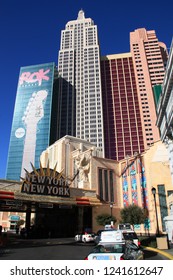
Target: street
{"type": "Point", "coordinates": [71, 251]}
{"type": "Point", "coordinates": [52, 252]}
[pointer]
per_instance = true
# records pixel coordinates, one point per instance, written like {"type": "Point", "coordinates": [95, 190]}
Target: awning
{"type": "Point", "coordinates": [6, 195]}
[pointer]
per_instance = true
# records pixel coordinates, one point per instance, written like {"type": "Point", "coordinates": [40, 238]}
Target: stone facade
{"type": "Point", "coordinates": [106, 181]}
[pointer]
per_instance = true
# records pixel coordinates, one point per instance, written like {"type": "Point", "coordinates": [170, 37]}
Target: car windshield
{"type": "Point", "coordinates": [124, 226]}
{"type": "Point", "coordinates": [109, 248]}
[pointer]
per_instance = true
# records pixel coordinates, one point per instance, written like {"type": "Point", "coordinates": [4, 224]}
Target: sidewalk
{"type": "Point", "coordinates": [14, 240]}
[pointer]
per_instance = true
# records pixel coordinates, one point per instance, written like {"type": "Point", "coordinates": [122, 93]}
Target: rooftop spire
{"type": "Point", "coordinates": [81, 14]}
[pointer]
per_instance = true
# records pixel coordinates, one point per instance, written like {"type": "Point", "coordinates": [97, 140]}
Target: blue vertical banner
{"type": "Point", "coordinates": [133, 183]}
{"type": "Point", "coordinates": [144, 193]}
{"type": "Point", "coordinates": [30, 132]}
{"type": "Point", "coordinates": [125, 184]}
{"type": "Point", "coordinates": [143, 183]}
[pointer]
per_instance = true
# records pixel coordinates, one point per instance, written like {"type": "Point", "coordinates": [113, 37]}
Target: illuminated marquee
{"type": "Point", "coordinates": [37, 183]}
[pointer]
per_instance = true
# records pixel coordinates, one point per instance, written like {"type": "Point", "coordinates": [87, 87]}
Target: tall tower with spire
{"type": "Point", "coordinates": [79, 67]}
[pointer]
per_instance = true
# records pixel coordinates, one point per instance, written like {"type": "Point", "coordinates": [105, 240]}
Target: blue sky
{"type": "Point", "coordinates": [30, 34]}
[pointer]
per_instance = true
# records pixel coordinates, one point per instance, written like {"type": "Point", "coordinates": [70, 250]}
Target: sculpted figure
{"type": "Point", "coordinates": [83, 166]}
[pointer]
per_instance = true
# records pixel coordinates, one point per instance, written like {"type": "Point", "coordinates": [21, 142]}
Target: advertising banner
{"type": "Point", "coordinates": [31, 121]}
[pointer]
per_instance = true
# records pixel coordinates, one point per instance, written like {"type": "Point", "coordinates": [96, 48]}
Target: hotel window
{"type": "Point", "coordinates": [106, 190]}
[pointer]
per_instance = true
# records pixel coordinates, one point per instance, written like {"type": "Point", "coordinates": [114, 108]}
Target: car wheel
{"type": "Point", "coordinates": [84, 240]}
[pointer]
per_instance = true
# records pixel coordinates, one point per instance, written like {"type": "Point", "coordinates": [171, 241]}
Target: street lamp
{"type": "Point", "coordinates": [154, 195]}
{"type": "Point", "coordinates": [111, 205]}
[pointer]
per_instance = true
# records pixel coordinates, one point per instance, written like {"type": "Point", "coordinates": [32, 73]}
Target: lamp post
{"type": "Point", "coordinates": [154, 195]}
{"type": "Point", "coordinates": [111, 205]}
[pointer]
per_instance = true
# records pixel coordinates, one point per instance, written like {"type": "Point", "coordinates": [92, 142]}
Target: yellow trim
{"type": "Point", "coordinates": [169, 256]}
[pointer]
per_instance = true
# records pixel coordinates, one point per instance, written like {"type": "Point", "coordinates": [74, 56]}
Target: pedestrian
{"type": "Point", "coordinates": [17, 229]}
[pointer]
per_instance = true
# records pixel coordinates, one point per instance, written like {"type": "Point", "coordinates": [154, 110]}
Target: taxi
{"type": "Point", "coordinates": [129, 233]}
{"type": "Point", "coordinates": [113, 246]}
{"type": "Point", "coordinates": [110, 247]}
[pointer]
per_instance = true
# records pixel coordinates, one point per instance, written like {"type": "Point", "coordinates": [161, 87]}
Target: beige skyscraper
{"type": "Point", "coordinates": [149, 58]}
{"type": "Point", "coordinates": [79, 67]}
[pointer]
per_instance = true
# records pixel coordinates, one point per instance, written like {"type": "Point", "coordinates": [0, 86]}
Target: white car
{"type": "Point", "coordinates": [129, 233]}
{"type": "Point", "coordinates": [112, 246]}
{"type": "Point", "coordinates": [85, 237]}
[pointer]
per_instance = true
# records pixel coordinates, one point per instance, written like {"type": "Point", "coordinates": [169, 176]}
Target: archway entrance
{"type": "Point", "coordinates": [61, 221]}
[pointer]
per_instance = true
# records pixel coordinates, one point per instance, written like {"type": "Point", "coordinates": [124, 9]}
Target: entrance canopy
{"type": "Point", "coordinates": [11, 197]}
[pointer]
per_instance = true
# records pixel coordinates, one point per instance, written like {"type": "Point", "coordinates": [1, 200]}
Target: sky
{"type": "Point", "coordinates": [30, 33]}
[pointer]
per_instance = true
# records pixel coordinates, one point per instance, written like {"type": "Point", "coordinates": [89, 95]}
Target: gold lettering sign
{"type": "Point", "coordinates": [45, 182]}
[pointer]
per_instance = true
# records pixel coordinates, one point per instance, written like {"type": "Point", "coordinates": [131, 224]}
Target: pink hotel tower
{"type": "Point", "coordinates": [128, 100]}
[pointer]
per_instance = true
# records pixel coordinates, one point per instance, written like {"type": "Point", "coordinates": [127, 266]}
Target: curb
{"type": "Point", "coordinates": [169, 256]}
{"type": "Point", "coordinates": [38, 242]}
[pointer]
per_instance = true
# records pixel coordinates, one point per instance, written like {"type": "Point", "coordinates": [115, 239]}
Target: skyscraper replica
{"type": "Point", "coordinates": [108, 102]}
{"type": "Point", "coordinates": [92, 125]}
{"type": "Point", "coordinates": [149, 58]}
{"type": "Point", "coordinates": [128, 81]}
{"type": "Point", "coordinates": [122, 119]}
{"type": "Point", "coordinates": [79, 67]}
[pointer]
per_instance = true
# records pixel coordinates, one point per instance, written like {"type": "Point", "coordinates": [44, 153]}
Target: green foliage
{"type": "Point", "coordinates": [105, 219]}
{"type": "Point", "coordinates": [149, 241]}
{"type": "Point", "coordinates": [133, 214]}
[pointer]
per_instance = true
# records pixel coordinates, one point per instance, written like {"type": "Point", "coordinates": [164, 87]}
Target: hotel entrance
{"type": "Point", "coordinates": [61, 221]}
{"type": "Point", "coordinates": [62, 213]}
